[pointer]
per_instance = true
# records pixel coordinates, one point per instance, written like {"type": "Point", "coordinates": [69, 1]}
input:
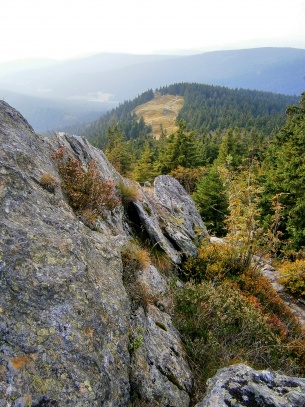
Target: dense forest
{"type": "Point", "coordinates": [206, 109]}
{"type": "Point", "coordinates": [252, 131]}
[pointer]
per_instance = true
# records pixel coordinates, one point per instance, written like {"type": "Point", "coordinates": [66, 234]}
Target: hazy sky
{"type": "Point", "coordinates": [66, 28]}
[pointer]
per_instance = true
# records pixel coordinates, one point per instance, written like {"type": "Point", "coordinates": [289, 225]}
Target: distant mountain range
{"type": "Point", "coordinates": [64, 93]}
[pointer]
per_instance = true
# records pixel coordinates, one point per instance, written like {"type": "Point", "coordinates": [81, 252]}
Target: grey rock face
{"type": "Point", "coordinates": [162, 377]}
{"type": "Point", "coordinates": [183, 225]}
{"type": "Point", "coordinates": [166, 378]}
{"type": "Point", "coordinates": [64, 312]}
{"type": "Point", "coordinates": [239, 386]}
{"type": "Point", "coordinates": [68, 333]}
{"type": "Point", "coordinates": [170, 218]}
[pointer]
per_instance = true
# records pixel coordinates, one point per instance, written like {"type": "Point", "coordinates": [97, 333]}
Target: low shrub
{"type": "Point", "coordinates": [258, 289]}
{"type": "Point", "coordinates": [293, 277]}
{"type": "Point", "coordinates": [188, 177]}
{"type": "Point", "coordinates": [214, 262]}
{"type": "Point", "coordinates": [83, 185]}
{"type": "Point", "coordinates": [220, 326]}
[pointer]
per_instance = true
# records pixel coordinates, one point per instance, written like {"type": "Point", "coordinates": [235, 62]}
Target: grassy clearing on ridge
{"type": "Point", "coordinates": [161, 111]}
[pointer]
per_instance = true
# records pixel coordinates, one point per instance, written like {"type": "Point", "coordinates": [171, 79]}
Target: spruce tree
{"type": "Point", "coordinates": [212, 202]}
{"type": "Point", "coordinates": [118, 151]}
{"type": "Point", "coordinates": [285, 174]}
{"type": "Point", "coordinates": [145, 169]}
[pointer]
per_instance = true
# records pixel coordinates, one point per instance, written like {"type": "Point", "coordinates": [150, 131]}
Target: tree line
{"type": "Point", "coordinates": [196, 157]}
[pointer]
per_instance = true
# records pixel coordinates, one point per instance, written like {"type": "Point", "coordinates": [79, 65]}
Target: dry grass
{"type": "Point", "coordinates": [48, 181]}
{"type": "Point", "coordinates": [161, 261]}
{"type": "Point", "coordinates": [161, 111]}
{"type": "Point", "coordinates": [134, 258]}
{"type": "Point", "coordinates": [129, 192]}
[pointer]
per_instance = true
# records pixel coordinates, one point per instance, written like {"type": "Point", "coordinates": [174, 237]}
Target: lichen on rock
{"type": "Point", "coordinates": [242, 386]}
{"type": "Point", "coordinates": [66, 317]}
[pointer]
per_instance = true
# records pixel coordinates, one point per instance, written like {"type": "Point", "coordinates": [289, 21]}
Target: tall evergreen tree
{"type": "Point", "coordinates": [179, 149]}
{"type": "Point", "coordinates": [212, 202]}
{"type": "Point", "coordinates": [285, 174]}
{"type": "Point", "coordinates": [145, 169]}
{"type": "Point", "coordinates": [118, 151]}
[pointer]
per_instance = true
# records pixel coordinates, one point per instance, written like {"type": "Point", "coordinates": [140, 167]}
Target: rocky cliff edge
{"type": "Point", "coordinates": [71, 332]}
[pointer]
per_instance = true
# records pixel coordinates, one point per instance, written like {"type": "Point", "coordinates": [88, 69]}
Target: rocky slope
{"type": "Point", "coordinates": [70, 333]}
{"type": "Point", "coordinates": [77, 326]}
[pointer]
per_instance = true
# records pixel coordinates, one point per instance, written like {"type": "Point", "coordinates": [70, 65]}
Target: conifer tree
{"type": "Point", "coordinates": [118, 152]}
{"type": "Point", "coordinates": [212, 202]}
{"type": "Point", "coordinates": [285, 174]}
{"type": "Point", "coordinates": [145, 169]}
{"type": "Point", "coordinates": [179, 149]}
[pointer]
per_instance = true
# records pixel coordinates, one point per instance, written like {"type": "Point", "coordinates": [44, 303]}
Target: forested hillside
{"type": "Point", "coordinates": [245, 172]}
{"type": "Point", "coordinates": [206, 109]}
{"type": "Point", "coordinates": [219, 130]}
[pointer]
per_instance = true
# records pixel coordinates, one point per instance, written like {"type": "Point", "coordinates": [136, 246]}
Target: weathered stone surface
{"type": "Point", "coordinates": [170, 218]}
{"type": "Point", "coordinates": [149, 221]}
{"type": "Point", "coordinates": [64, 312]}
{"type": "Point", "coordinates": [183, 224]}
{"type": "Point", "coordinates": [239, 386]}
{"type": "Point", "coordinates": [66, 321]}
{"type": "Point", "coordinates": [161, 377]}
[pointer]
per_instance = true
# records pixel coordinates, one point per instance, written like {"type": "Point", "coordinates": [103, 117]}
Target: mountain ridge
{"type": "Point", "coordinates": [122, 76]}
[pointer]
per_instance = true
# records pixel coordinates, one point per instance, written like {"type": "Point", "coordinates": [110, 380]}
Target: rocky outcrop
{"type": "Point", "coordinates": [70, 332]}
{"type": "Point", "coordinates": [169, 217]}
{"type": "Point", "coordinates": [77, 328]}
{"type": "Point", "coordinates": [239, 386]}
{"type": "Point", "coordinates": [64, 311]}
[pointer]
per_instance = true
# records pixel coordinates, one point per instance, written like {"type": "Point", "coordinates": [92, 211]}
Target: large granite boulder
{"type": "Point", "coordinates": [182, 224]}
{"type": "Point", "coordinates": [241, 386]}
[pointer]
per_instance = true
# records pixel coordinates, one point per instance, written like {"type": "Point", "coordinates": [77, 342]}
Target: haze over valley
{"type": "Point", "coordinates": [54, 95]}
{"type": "Point", "coordinates": [67, 63]}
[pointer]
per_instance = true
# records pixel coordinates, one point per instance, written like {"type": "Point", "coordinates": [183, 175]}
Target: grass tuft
{"type": "Point", "coordinates": [129, 192]}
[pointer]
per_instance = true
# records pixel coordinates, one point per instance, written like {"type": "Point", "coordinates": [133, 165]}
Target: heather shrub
{"type": "Point", "coordinates": [228, 312]}
{"type": "Point", "coordinates": [258, 289]}
{"type": "Point", "coordinates": [86, 192]}
{"type": "Point", "coordinates": [220, 325]}
{"type": "Point", "coordinates": [293, 276]}
{"type": "Point", "coordinates": [214, 262]}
